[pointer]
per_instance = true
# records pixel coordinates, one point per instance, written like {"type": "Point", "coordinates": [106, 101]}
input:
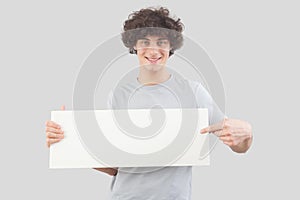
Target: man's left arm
{"type": "Point", "coordinates": [237, 134]}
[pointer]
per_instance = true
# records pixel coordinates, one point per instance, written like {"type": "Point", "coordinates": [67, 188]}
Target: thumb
{"type": "Point", "coordinates": [63, 107]}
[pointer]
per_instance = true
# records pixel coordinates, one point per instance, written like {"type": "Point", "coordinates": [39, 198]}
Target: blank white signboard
{"type": "Point", "coordinates": [74, 152]}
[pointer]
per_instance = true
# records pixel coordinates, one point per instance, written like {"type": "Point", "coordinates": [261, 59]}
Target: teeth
{"type": "Point", "coordinates": [153, 59]}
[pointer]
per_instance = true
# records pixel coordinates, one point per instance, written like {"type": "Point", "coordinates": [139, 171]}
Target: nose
{"type": "Point", "coordinates": [153, 48]}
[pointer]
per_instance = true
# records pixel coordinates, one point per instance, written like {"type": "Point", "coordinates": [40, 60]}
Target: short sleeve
{"type": "Point", "coordinates": [204, 100]}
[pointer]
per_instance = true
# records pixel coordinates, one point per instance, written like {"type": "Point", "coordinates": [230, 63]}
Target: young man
{"type": "Point", "coordinates": [155, 85]}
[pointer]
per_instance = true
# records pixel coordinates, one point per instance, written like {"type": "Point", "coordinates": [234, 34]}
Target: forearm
{"type": "Point", "coordinates": [109, 171]}
{"type": "Point", "coordinates": [242, 147]}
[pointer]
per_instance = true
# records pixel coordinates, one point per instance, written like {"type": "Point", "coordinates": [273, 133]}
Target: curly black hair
{"type": "Point", "coordinates": [154, 22]}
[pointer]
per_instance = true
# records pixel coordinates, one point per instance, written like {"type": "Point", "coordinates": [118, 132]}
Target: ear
{"type": "Point", "coordinates": [133, 50]}
{"type": "Point", "coordinates": [171, 52]}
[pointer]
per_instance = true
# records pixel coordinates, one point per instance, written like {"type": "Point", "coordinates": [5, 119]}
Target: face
{"type": "Point", "coordinates": [153, 52]}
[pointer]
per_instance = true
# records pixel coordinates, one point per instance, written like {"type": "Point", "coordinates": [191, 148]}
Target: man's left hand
{"type": "Point", "coordinates": [237, 134]}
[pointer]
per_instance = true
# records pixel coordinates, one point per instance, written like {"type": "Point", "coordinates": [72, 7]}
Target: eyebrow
{"type": "Point", "coordinates": [157, 39]}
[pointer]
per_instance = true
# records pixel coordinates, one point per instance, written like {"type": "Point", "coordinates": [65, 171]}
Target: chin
{"type": "Point", "coordinates": [153, 67]}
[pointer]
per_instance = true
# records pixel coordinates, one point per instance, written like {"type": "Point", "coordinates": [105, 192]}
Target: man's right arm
{"type": "Point", "coordinates": [109, 171]}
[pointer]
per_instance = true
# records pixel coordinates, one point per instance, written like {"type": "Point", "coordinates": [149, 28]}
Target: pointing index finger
{"type": "Point", "coordinates": [213, 128]}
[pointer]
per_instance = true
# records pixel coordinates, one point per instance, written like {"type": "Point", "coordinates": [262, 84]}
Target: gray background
{"type": "Point", "coordinates": [254, 45]}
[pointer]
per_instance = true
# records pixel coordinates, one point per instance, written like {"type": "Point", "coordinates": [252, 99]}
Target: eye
{"type": "Point", "coordinates": [162, 43]}
{"type": "Point", "coordinates": [145, 42]}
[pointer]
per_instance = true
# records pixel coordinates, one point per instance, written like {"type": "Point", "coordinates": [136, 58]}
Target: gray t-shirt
{"type": "Point", "coordinates": [159, 183]}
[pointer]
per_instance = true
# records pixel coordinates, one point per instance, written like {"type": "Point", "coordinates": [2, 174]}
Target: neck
{"type": "Point", "coordinates": [147, 77]}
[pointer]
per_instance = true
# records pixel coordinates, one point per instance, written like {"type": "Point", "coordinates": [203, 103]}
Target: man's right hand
{"type": "Point", "coordinates": [54, 133]}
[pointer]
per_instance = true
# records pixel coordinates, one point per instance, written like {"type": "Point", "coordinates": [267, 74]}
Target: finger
{"type": "Point", "coordinates": [50, 123]}
{"type": "Point", "coordinates": [54, 130]}
{"type": "Point", "coordinates": [228, 143]}
{"type": "Point", "coordinates": [226, 138]}
{"type": "Point", "coordinates": [218, 133]}
{"type": "Point", "coordinates": [51, 141]}
{"type": "Point", "coordinates": [63, 107]}
{"type": "Point", "coordinates": [52, 135]}
{"type": "Point", "coordinates": [215, 127]}
{"type": "Point", "coordinates": [221, 133]}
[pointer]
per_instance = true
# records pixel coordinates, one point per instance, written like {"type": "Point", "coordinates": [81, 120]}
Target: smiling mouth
{"type": "Point", "coordinates": [153, 60]}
